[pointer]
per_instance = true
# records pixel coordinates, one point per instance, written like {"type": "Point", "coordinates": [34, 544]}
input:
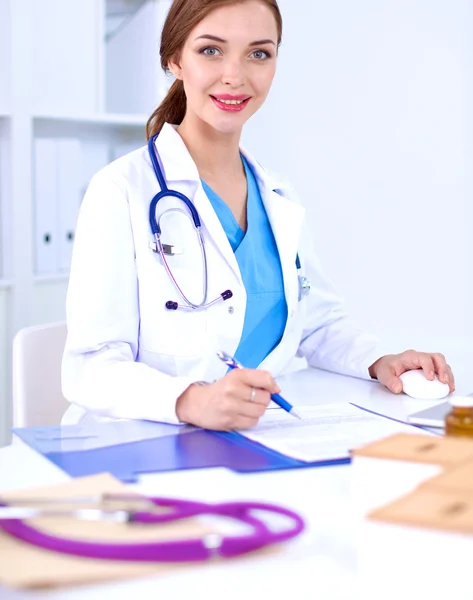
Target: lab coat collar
{"type": "Point", "coordinates": [178, 164]}
{"type": "Point", "coordinates": [176, 161]}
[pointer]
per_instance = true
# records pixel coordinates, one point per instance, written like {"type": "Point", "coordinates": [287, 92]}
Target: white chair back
{"type": "Point", "coordinates": [37, 357]}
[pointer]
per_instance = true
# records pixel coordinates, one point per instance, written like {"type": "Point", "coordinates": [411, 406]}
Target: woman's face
{"type": "Point", "coordinates": [228, 63]}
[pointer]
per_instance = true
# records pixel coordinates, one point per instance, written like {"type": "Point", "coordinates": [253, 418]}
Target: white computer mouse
{"type": "Point", "coordinates": [416, 385]}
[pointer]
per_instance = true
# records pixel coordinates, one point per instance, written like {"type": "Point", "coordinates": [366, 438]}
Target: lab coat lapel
{"type": "Point", "coordinates": [286, 218]}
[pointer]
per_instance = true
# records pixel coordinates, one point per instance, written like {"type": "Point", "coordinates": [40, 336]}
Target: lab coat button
{"type": "Point", "coordinates": [231, 310]}
{"type": "Point", "coordinates": [291, 314]}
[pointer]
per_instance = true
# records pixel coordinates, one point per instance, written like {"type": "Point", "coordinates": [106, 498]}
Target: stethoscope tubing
{"type": "Point", "coordinates": [156, 230]}
{"type": "Point", "coordinates": [304, 284]}
{"type": "Point", "coordinates": [184, 298]}
{"type": "Point", "coordinates": [192, 550]}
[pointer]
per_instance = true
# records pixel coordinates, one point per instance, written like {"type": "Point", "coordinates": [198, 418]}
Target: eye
{"type": "Point", "coordinates": [261, 54]}
{"type": "Point", "coordinates": [210, 51]}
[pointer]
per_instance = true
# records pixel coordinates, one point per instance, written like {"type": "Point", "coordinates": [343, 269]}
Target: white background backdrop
{"type": "Point", "coordinates": [370, 118]}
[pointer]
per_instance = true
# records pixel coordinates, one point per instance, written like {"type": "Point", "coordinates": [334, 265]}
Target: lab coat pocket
{"type": "Point", "coordinates": [178, 332]}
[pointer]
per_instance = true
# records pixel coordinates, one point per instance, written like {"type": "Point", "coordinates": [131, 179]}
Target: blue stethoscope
{"type": "Point", "coordinates": [163, 249]}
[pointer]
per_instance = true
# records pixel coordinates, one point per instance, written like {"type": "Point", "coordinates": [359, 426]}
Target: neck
{"type": "Point", "coordinates": [215, 154]}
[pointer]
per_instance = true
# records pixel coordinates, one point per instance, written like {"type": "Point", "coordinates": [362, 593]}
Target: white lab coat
{"type": "Point", "coordinates": [126, 356]}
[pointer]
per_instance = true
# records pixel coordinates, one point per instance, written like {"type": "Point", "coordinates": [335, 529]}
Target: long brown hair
{"type": "Point", "coordinates": [183, 16]}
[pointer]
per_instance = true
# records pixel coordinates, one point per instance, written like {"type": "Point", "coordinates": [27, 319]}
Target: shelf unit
{"type": "Point", "coordinates": [55, 77]}
{"type": "Point", "coordinates": [100, 120]}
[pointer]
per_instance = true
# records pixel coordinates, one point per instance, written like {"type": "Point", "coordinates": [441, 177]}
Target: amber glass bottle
{"type": "Point", "coordinates": [459, 421]}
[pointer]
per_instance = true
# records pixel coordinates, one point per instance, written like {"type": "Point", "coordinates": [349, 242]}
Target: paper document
{"type": "Point", "coordinates": [326, 432]}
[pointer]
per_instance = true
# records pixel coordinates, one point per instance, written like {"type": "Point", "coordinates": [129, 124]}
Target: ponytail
{"type": "Point", "coordinates": [171, 110]}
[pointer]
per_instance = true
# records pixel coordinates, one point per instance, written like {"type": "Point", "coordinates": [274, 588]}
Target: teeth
{"type": "Point", "coordinates": [230, 101]}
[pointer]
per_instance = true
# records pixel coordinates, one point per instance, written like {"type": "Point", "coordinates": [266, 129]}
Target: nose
{"type": "Point", "coordinates": [233, 73]}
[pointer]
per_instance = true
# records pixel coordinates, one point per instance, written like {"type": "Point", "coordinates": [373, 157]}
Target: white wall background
{"type": "Point", "coordinates": [371, 119]}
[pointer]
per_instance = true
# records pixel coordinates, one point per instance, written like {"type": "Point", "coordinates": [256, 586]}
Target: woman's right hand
{"type": "Point", "coordinates": [230, 402]}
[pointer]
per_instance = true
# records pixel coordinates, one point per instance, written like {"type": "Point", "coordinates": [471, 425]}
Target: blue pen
{"type": "Point", "coordinates": [234, 364]}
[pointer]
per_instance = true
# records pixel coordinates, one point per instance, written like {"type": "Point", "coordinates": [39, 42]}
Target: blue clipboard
{"type": "Point", "coordinates": [151, 448]}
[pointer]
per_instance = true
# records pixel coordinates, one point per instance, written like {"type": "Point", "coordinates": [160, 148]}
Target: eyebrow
{"type": "Point", "coordinates": [217, 39]}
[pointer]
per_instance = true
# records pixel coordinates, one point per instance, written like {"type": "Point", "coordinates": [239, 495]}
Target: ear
{"type": "Point", "coordinates": [175, 68]}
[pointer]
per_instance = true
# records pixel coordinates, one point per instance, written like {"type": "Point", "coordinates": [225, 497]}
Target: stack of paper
{"type": "Point", "coordinates": [327, 431]}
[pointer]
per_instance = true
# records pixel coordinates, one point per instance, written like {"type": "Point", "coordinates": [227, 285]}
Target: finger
{"type": "Point", "coordinates": [250, 409]}
{"type": "Point", "coordinates": [255, 396]}
{"type": "Point", "coordinates": [387, 376]}
{"type": "Point", "coordinates": [451, 379]}
{"type": "Point", "coordinates": [258, 379]}
{"type": "Point", "coordinates": [443, 370]}
{"type": "Point", "coordinates": [239, 390]}
{"type": "Point", "coordinates": [420, 360]}
{"type": "Point", "coordinates": [395, 385]}
{"type": "Point", "coordinates": [237, 399]}
{"type": "Point", "coordinates": [242, 422]}
{"type": "Point", "coordinates": [440, 365]}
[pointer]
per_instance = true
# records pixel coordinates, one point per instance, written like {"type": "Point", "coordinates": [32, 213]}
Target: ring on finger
{"type": "Point", "coordinates": [253, 394]}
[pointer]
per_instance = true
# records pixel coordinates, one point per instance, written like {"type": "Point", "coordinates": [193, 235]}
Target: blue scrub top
{"type": "Point", "coordinates": [258, 258]}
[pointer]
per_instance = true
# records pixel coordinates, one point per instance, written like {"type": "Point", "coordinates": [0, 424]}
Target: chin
{"type": "Point", "coordinates": [229, 128]}
{"type": "Point", "coordinates": [226, 124]}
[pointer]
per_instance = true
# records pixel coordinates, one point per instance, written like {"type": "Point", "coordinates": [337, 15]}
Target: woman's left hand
{"type": "Point", "coordinates": [388, 368]}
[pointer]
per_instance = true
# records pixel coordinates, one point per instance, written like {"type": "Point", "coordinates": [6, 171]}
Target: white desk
{"type": "Point", "coordinates": [321, 563]}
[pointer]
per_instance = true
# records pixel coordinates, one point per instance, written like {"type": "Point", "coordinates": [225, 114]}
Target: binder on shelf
{"type": "Point", "coordinates": [3, 228]}
{"type": "Point", "coordinates": [6, 209]}
{"type": "Point", "coordinates": [5, 58]}
{"type": "Point", "coordinates": [140, 447]}
{"type": "Point", "coordinates": [68, 197]}
{"type": "Point", "coordinates": [45, 212]}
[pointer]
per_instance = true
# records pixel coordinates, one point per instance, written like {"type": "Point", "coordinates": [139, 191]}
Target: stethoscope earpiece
{"type": "Point", "coordinates": [171, 305]}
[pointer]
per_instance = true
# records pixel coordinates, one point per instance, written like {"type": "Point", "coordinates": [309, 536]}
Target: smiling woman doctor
{"type": "Point", "coordinates": [130, 353]}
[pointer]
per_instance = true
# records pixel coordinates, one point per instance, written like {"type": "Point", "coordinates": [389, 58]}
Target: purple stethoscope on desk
{"type": "Point", "coordinates": [167, 249]}
{"type": "Point", "coordinates": [209, 546]}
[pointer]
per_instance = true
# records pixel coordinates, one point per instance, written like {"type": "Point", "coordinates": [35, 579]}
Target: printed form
{"type": "Point", "coordinates": [325, 432]}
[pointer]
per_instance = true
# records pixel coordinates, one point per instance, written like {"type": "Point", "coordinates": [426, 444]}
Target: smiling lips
{"type": "Point", "coordinates": [231, 103]}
